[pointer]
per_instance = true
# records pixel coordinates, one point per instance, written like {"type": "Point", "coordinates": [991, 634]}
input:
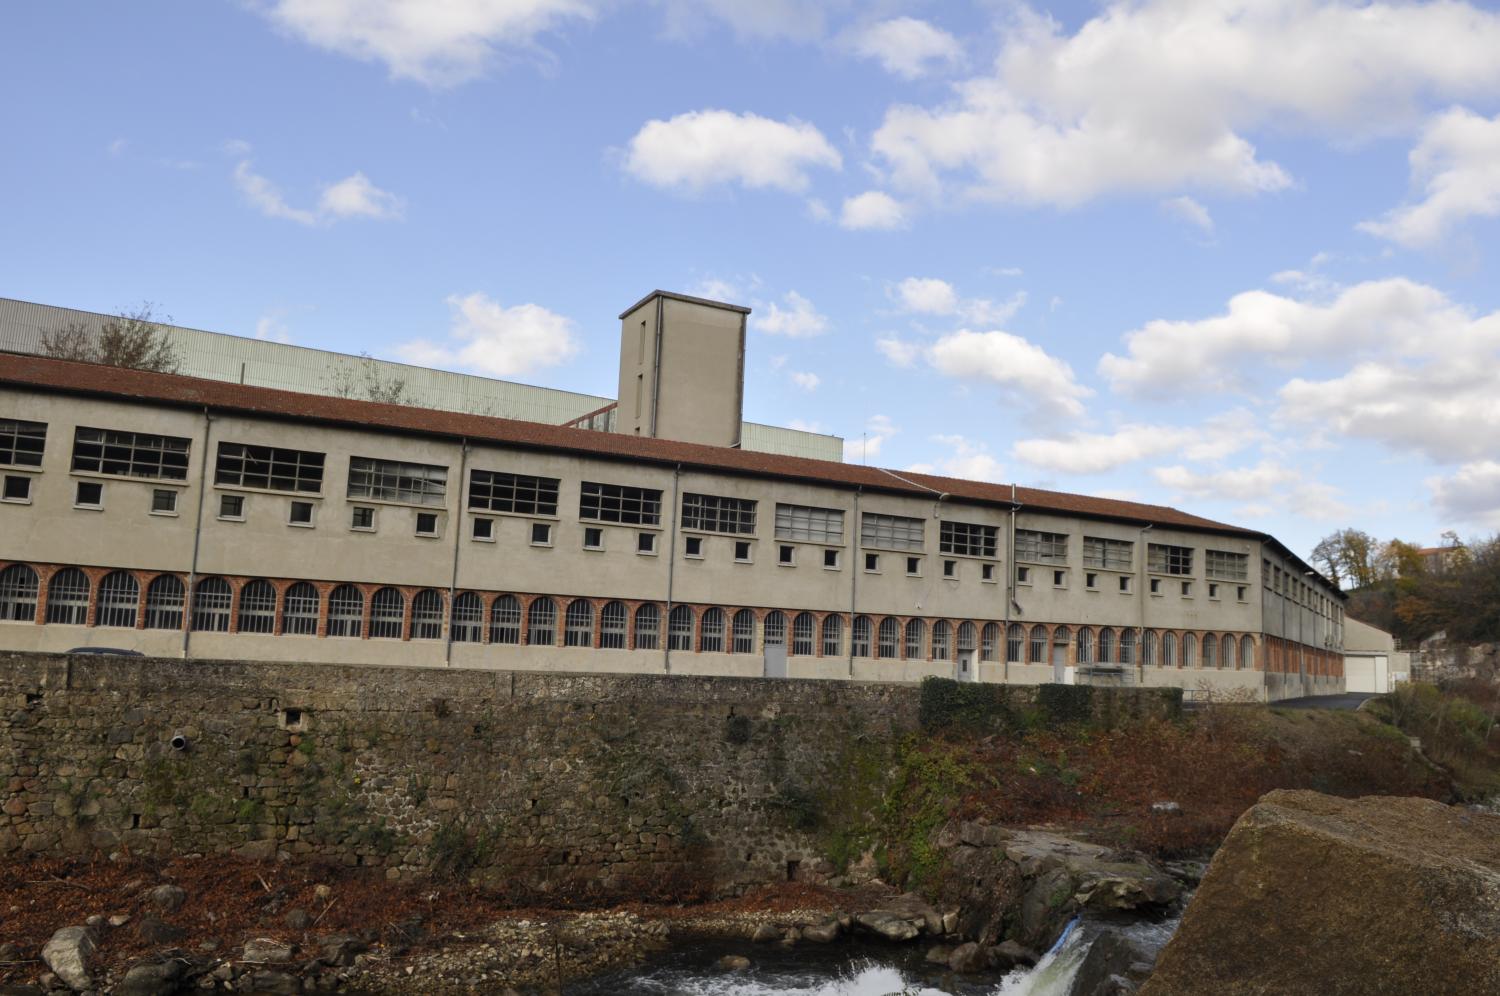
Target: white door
{"type": "Point", "coordinates": [1059, 663]}
{"type": "Point", "coordinates": [776, 659]}
{"type": "Point", "coordinates": [964, 669]}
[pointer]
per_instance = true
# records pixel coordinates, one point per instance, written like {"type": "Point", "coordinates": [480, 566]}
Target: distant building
{"type": "Point", "coordinates": [206, 518]}
{"type": "Point", "coordinates": [1371, 661]}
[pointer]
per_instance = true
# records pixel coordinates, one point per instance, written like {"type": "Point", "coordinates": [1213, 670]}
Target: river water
{"type": "Point", "coordinates": [854, 970]}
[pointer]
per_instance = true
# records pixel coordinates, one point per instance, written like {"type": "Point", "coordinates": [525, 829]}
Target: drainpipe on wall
{"type": "Point", "coordinates": [1142, 585]}
{"type": "Point", "coordinates": [656, 366]}
{"type": "Point", "coordinates": [666, 623]}
{"type": "Point", "coordinates": [1010, 588]}
{"type": "Point", "coordinates": [854, 570]}
{"type": "Point", "coordinates": [457, 527]}
{"type": "Point", "coordinates": [187, 601]}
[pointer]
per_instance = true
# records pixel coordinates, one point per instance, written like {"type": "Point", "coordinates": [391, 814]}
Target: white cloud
{"type": "Point", "coordinates": [1209, 355]}
{"type": "Point", "coordinates": [1264, 486]}
{"type": "Point", "coordinates": [1458, 163]}
{"type": "Point", "coordinates": [1026, 375]}
{"type": "Point", "coordinates": [907, 47]}
{"type": "Point", "coordinates": [872, 209]}
{"type": "Point", "coordinates": [802, 425]}
{"type": "Point", "coordinates": [898, 351]}
{"type": "Point", "coordinates": [878, 428]}
{"type": "Point", "coordinates": [805, 380]}
{"type": "Point", "coordinates": [1186, 209]}
{"type": "Point", "coordinates": [931, 296]}
{"type": "Point", "coordinates": [793, 20]}
{"type": "Point", "coordinates": [701, 149]}
{"type": "Point", "coordinates": [433, 43]}
{"type": "Point", "coordinates": [967, 460]}
{"type": "Point", "coordinates": [352, 197]}
{"type": "Point", "coordinates": [495, 340]}
{"type": "Point", "coordinates": [1153, 95]}
{"type": "Point", "coordinates": [799, 319]}
{"type": "Point", "coordinates": [272, 329]}
{"type": "Point", "coordinates": [1471, 494]}
{"type": "Point", "coordinates": [1093, 453]}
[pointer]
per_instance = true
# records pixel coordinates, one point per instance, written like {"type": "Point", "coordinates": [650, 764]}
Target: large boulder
{"type": "Point", "coordinates": [69, 953]}
{"type": "Point", "coordinates": [1315, 894]}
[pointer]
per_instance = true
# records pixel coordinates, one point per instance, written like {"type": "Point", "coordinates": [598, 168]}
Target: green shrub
{"type": "Point", "coordinates": [948, 706]}
{"type": "Point", "coordinates": [1065, 704]}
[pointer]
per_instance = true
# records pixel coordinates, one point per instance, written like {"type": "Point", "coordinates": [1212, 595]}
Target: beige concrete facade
{"type": "Point", "coordinates": [682, 369]}
{"type": "Point", "coordinates": [998, 611]}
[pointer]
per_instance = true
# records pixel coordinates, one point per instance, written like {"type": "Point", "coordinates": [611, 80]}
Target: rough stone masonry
{"type": "Point", "coordinates": [617, 784]}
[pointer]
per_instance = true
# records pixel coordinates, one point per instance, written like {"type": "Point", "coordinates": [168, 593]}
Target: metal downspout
{"type": "Point", "coordinates": [855, 568]}
{"type": "Point", "coordinates": [1143, 586]}
{"type": "Point", "coordinates": [1010, 589]}
{"type": "Point", "coordinates": [458, 528]}
{"type": "Point", "coordinates": [187, 602]}
{"type": "Point", "coordinates": [666, 629]}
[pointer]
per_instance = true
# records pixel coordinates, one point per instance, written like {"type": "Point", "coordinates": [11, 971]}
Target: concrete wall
{"type": "Point", "coordinates": [682, 370]}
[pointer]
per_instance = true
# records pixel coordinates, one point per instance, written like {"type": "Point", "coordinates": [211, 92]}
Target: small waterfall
{"type": "Point", "coordinates": [1053, 975]}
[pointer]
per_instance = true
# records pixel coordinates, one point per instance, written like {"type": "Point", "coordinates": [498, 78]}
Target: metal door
{"type": "Point", "coordinates": [775, 645]}
{"type": "Point", "coordinates": [964, 668]}
{"type": "Point", "coordinates": [1059, 662]}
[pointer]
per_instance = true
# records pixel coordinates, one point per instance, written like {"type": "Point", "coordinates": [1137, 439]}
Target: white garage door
{"type": "Point", "coordinates": [1365, 674]}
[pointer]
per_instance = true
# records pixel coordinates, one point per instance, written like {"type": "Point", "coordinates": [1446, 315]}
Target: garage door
{"type": "Point", "coordinates": [1364, 674]}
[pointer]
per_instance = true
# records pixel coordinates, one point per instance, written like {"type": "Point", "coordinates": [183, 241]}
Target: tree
{"type": "Point", "coordinates": [367, 382]}
{"type": "Point", "coordinates": [1348, 555]}
{"type": "Point", "coordinates": [131, 339]}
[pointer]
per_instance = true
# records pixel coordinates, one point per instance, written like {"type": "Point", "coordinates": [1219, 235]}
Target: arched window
{"type": "Point", "coordinates": [505, 620]}
{"type": "Point", "coordinates": [744, 632]}
{"type": "Point", "coordinates": [211, 601]}
{"type": "Point", "coordinates": [916, 635]}
{"type": "Point", "coordinates": [257, 607]}
{"type": "Point", "coordinates": [1247, 654]}
{"type": "Point", "coordinates": [1061, 636]}
{"type": "Point", "coordinates": [578, 624]}
{"type": "Point", "coordinates": [967, 636]}
{"type": "Point", "coordinates": [1152, 643]}
{"type": "Point", "coordinates": [803, 628]}
{"type": "Point", "coordinates": [299, 613]}
{"type": "Point", "coordinates": [19, 587]}
{"type": "Point", "coordinates": [1169, 649]}
{"type": "Point", "coordinates": [711, 632]}
{"type": "Point", "coordinates": [680, 629]}
{"type": "Point", "coordinates": [427, 615]}
{"type": "Point", "coordinates": [1038, 645]}
{"type": "Point", "coordinates": [468, 618]}
{"type": "Point", "coordinates": [119, 600]}
{"type": "Point", "coordinates": [942, 640]}
{"type": "Point", "coordinates": [165, 597]}
{"type": "Point", "coordinates": [889, 638]}
{"type": "Point", "coordinates": [1127, 646]}
{"type": "Point", "coordinates": [989, 637]}
{"type": "Point", "coordinates": [1227, 649]}
{"type": "Point", "coordinates": [773, 630]}
{"type": "Point", "coordinates": [541, 623]}
{"type": "Point", "coordinates": [612, 626]}
{"type": "Point", "coordinates": [833, 636]}
{"type": "Point", "coordinates": [1085, 654]}
{"type": "Point", "coordinates": [1210, 651]}
{"type": "Point", "coordinates": [1015, 639]}
{"type": "Point", "coordinates": [346, 611]}
{"type": "Point", "coordinates": [68, 597]}
{"type": "Point", "coordinates": [859, 639]}
{"type": "Point", "coordinates": [647, 627]}
{"type": "Point", "coordinates": [1106, 646]}
{"type": "Point", "coordinates": [387, 614]}
{"type": "Point", "coordinates": [1190, 650]}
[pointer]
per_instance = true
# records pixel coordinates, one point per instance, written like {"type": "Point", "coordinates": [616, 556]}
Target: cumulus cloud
{"type": "Point", "coordinates": [878, 428]}
{"type": "Point", "coordinates": [907, 47]}
{"type": "Point", "coordinates": [898, 351]}
{"type": "Point", "coordinates": [872, 209]}
{"type": "Point", "coordinates": [798, 319]}
{"type": "Point", "coordinates": [435, 44]}
{"type": "Point", "coordinates": [931, 296]}
{"type": "Point", "coordinates": [487, 337]}
{"type": "Point", "coordinates": [1471, 494]}
{"type": "Point", "coordinates": [1261, 489]}
{"type": "Point", "coordinates": [1174, 358]}
{"type": "Point", "coordinates": [966, 459]}
{"type": "Point", "coordinates": [1096, 452]}
{"type": "Point", "coordinates": [1024, 372]}
{"type": "Point", "coordinates": [1186, 209]}
{"type": "Point", "coordinates": [793, 20]}
{"type": "Point", "coordinates": [1154, 95]}
{"type": "Point", "coordinates": [702, 149]}
{"type": "Point", "coordinates": [806, 380]}
{"type": "Point", "coordinates": [352, 197]}
{"type": "Point", "coordinates": [1457, 162]}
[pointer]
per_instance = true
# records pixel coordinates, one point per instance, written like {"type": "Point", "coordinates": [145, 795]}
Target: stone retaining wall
{"type": "Point", "coordinates": [617, 783]}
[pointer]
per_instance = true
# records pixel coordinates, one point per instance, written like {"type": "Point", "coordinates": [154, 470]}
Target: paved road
{"type": "Point", "coordinates": [1349, 700]}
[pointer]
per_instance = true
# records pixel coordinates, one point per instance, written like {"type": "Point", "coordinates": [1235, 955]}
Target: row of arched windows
{"type": "Point", "coordinates": [507, 619]}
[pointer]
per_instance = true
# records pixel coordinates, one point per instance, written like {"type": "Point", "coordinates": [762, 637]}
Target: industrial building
{"type": "Point", "coordinates": [208, 518]}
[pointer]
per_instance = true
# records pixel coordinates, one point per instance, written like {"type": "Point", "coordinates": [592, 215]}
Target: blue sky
{"type": "Point", "coordinates": [1234, 257]}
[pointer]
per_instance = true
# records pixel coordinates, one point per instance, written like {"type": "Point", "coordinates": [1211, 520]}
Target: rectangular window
{"type": "Point", "coordinates": [620, 503]}
{"type": "Point", "coordinates": [593, 538]}
{"type": "Point", "coordinates": [895, 532]}
{"type": "Point", "coordinates": [950, 568]}
{"type": "Point", "coordinates": [1023, 575]}
{"type": "Point", "coordinates": [742, 551]}
{"type": "Point", "coordinates": [541, 534]}
{"type": "Point", "coordinates": [831, 559]}
{"type": "Point", "coordinates": [1163, 559]}
{"type": "Point", "coordinates": [241, 465]}
{"type": "Point", "coordinates": [1112, 555]}
{"type": "Point", "coordinates": [1041, 548]}
{"type": "Point", "coordinates": [1059, 579]}
{"type": "Point", "coordinates": [164, 501]}
{"type": "Point", "coordinates": [484, 529]}
{"type": "Point", "coordinates": [130, 454]}
{"type": "Point", "coordinates": [987, 572]}
{"type": "Point", "coordinates": [872, 562]}
{"type": "Point", "coordinates": [716, 514]}
{"type": "Point", "coordinates": [914, 566]}
{"type": "Point", "coordinates": [814, 525]}
{"type": "Point", "coordinates": [362, 517]}
{"type": "Point", "coordinates": [1187, 589]}
{"type": "Point", "coordinates": [21, 443]}
{"type": "Point", "coordinates": [693, 546]}
{"type": "Point", "coordinates": [786, 555]}
{"type": "Point", "coordinates": [232, 507]}
{"type": "Point", "coordinates": [1213, 590]}
{"type": "Point", "coordinates": [427, 524]}
{"type": "Point", "coordinates": [645, 543]}
{"type": "Point", "coordinates": [1091, 581]}
{"type": "Point", "coordinates": [1242, 593]}
{"type": "Point", "coordinates": [1125, 585]}
{"type": "Point", "coordinates": [300, 513]}
{"type": "Point", "coordinates": [1226, 566]}
{"type": "Point", "coordinates": [968, 539]}
{"type": "Point", "coordinates": [18, 487]}
{"type": "Point", "coordinates": [1156, 586]}
{"type": "Point", "coordinates": [519, 494]}
{"type": "Point", "coordinates": [392, 480]}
